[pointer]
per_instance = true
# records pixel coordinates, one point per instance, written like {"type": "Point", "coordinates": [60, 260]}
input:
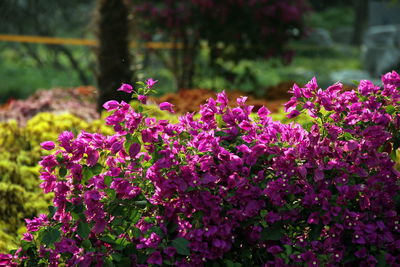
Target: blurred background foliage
{"type": "Point", "coordinates": [327, 45]}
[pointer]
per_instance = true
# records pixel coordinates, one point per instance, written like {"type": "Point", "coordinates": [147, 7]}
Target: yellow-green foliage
{"type": "Point", "coordinates": [397, 159]}
{"type": "Point", "coordinates": [16, 203]}
{"type": "Point", "coordinates": [20, 152]}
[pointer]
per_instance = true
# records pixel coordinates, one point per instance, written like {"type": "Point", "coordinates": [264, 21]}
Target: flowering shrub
{"type": "Point", "coordinates": [20, 194]}
{"type": "Point", "coordinates": [226, 189]}
{"type": "Point", "coordinates": [20, 150]}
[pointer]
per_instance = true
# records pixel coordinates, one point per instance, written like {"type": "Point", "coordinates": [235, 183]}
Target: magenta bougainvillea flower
{"type": "Point", "coordinates": [48, 145]}
{"type": "Point", "coordinates": [111, 105]}
{"type": "Point", "coordinates": [150, 83]}
{"type": "Point", "coordinates": [142, 99]}
{"type": "Point", "coordinates": [167, 106]}
{"type": "Point", "coordinates": [229, 187]}
{"type": "Point", "coordinates": [127, 88]}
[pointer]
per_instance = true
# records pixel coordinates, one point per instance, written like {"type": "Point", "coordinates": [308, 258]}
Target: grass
{"type": "Point", "coordinates": [22, 76]}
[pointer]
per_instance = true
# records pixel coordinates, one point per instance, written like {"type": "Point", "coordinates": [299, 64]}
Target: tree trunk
{"type": "Point", "coordinates": [113, 52]}
{"type": "Point", "coordinates": [361, 8]}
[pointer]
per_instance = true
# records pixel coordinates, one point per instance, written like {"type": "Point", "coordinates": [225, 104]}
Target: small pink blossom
{"type": "Point", "coordinates": [167, 106]}
{"type": "Point", "coordinates": [155, 258]}
{"type": "Point", "coordinates": [111, 105]}
{"type": "Point", "coordinates": [127, 88]}
{"type": "Point", "coordinates": [142, 99]}
{"type": "Point", "coordinates": [150, 83]}
{"type": "Point", "coordinates": [48, 145]}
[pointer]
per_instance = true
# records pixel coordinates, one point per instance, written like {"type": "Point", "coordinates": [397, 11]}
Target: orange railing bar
{"type": "Point", "coordinates": [75, 41]}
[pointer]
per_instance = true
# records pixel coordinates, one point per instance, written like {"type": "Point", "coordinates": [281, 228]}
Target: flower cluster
{"type": "Point", "coordinates": [228, 188]}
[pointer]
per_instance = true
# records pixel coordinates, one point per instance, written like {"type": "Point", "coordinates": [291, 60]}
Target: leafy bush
{"type": "Point", "coordinates": [226, 189]}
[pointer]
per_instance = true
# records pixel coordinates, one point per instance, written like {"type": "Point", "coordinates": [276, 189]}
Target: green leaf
{"type": "Point", "coordinates": [62, 172]}
{"type": "Point", "coordinates": [221, 133]}
{"type": "Point", "coordinates": [108, 180]}
{"type": "Point", "coordinates": [50, 236]}
{"type": "Point", "coordinates": [181, 246]}
{"type": "Point", "coordinates": [86, 244]}
{"type": "Point", "coordinates": [83, 230]}
{"type": "Point", "coordinates": [108, 262]}
{"type": "Point", "coordinates": [116, 210]}
{"type": "Point", "coordinates": [272, 233]}
{"type": "Point", "coordinates": [52, 211]}
{"type": "Point", "coordinates": [134, 217]}
{"type": "Point", "coordinates": [79, 208]}
{"type": "Point", "coordinates": [288, 249]}
{"type": "Point", "coordinates": [121, 243]}
{"type": "Point", "coordinates": [146, 165]}
{"type": "Point", "coordinates": [116, 256]}
{"type": "Point", "coordinates": [348, 136]}
{"type": "Point", "coordinates": [381, 259]}
{"type": "Point", "coordinates": [141, 203]}
{"type": "Point", "coordinates": [127, 145]}
{"type": "Point", "coordinates": [390, 109]}
{"type": "Point", "coordinates": [86, 174]}
{"type": "Point", "coordinates": [77, 212]}
{"type": "Point", "coordinates": [107, 239]}
{"type": "Point", "coordinates": [59, 158]}
{"type": "Point", "coordinates": [111, 193]}
{"type": "Point", "coordinates": [136, 233]}
{"type": "Point", "coordinates": [316, 231]}
{"type": "Point", "coordinates": [97, 169]}
{"type": "Point", "coordinates": [229, 263]}
{"type": "Point", "coordinates": [42, 262]}
{"type": "Point", "coordinates": [26, 245]}
{"type": "Point", "coordinates": [171, 226]}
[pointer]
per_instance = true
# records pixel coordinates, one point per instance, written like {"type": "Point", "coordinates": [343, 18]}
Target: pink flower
{"type": "Point", "coordinates": [155, 258]}
{"type": "Point", "coordinates": [111, 105]}
{"type": "Point", "coordinates": [93, 157]}
{"type": "Point", "coordinates": [127, 88]}
{"type": "Point", "coordinates": [117, 146]}
{"type": "Point", "coordinates": [142, 99]}
{"type": "Point", "coordinates": [48, 145]}
{"type": "Point", "coordinates": [35, 224]}
{"type": "Point", "coordinates": [6, 260]}
{"type": "Point", "coordinates": [293, 114]}
{"type": "Point", "coordinates": [134, 149]}
{"type": "Point", "coordinates": [263, 112]}
{"type": "Point", "coordinates": [150, 83]}
{"type": "Point", "coordinates": [27, 237]}
{"type": "Point", "coordinates": [167, 106]}
{"type": "Point", "coordinates": [170, 251]}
